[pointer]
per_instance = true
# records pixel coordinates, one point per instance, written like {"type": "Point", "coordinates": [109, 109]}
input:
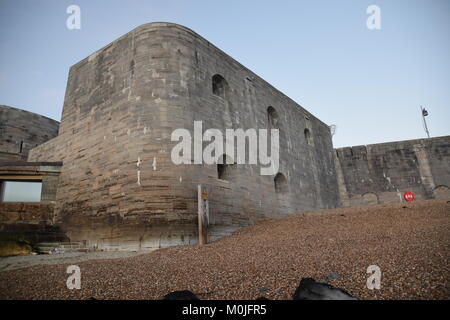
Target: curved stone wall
{"type": "Point", "coordinates": [21, 131]}
{"type": "Point", "coordinates": [118, 186]}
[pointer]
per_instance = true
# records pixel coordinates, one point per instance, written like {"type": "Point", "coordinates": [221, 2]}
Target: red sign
{"type": "Point", "coordinates": [408, 196]}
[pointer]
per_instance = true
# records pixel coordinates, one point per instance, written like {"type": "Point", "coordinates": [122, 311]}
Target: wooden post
{"type": "Point", "coordinates": [203, 214]}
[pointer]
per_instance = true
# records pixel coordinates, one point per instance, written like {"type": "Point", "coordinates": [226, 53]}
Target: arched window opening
{"type": "Point", "coordinates": [281, 184]}
{"type": "Point", "coordinates": [441, 192]}
{"type": "Point", "coordinates": [221, 171]}
{"type": "Point", "coordinates": [369, 198]}
{"type": "Point", "coordinates": [273, 117]}
{"type": "Point", "coordinates": [308, 137]}
{"type": "Point", "coordinates": [219, 86]}
{"type": "Point", "coordinates": [225, 170]}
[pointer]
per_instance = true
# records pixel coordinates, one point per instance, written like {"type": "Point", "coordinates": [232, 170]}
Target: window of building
{"type": "Point", "coordinates": [273, 117]}
{"type": "Point", "coordinates": [219, 86]}
{"type": "Point", "coordinates": [221, 168]}
{"type": "Point", "coordinates": [281, 185]}
{"type": "Point", "coordinates": [308, 137]}
{"type": "Point", "coordinates": [225, 170]}
{"type": "Point", "coordinates": [21, 191]}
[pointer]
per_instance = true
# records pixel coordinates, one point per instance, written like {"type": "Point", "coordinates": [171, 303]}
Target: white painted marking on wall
{"type": "Point", "coordinates": [154, 163]}
{"type": "Point", "coordinates": [111, 79]}
{"type": "Point", "coordinates": [399, 194]}
{"type": "Point", "coordinates": [181, 179]}
{"type": "Point", "coordinates": [138, 164]}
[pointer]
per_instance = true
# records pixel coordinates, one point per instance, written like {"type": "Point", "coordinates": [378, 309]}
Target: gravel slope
{"type": "Point", "coordinates": [19, 262]}
{"type": "Point", "coordinates": [410, 243]}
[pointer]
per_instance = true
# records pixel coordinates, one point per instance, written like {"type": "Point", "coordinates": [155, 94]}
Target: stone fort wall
{"type": "Point", "coordinates": [21, 131]}
{"type": "Point", "coordinates": [118, 187]}
{"type": "Point", "coordinates": [381, 173]}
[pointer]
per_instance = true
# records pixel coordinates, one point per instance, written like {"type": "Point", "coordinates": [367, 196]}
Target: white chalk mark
{"type": "Point", "coordinates": [138, 164]}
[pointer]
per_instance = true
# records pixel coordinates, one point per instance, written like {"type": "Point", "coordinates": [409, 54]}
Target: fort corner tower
{"type": "Point", "coordinates": [119, 189]}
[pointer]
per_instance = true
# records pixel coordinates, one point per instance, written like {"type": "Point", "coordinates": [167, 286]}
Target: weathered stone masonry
{"type": "Point", "coordinates": [114, 186]}
{"type": "Point", "coordinates": [381, 173]}
{"type": "Point", "coordinates": [21, 131]}
{"type": "Point", "coordinates": [31, 221]}
{"type": "Point", "coordinates": [118, 187]}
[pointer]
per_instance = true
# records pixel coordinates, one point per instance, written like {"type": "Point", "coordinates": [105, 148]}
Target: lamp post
{"type": "Point", "coordinates": [424, 114]}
